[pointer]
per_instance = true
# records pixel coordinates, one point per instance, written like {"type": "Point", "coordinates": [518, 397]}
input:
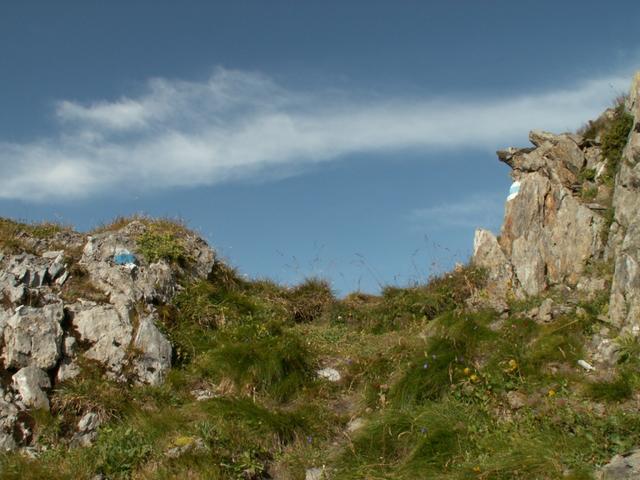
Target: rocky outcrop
{"type": "Point", "coordinates": [549, 234]}
{"type": "Point", "coordinates": [624, 245]}
{"type": "Point", "coordinates": [557, 221]}
{"type": "Point", "coordinates": [65, 304]}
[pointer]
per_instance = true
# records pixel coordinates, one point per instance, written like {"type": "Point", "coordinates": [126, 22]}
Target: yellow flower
{"type": "Point", "coordinates": [474, 378]}
{"type": "Point", "coordinates": [467, 371]}
{"type": "Point", "coordinates": [513, 366]}
{"type": "Point", "coordinates": [476, 469]}
{"type": "Point", "coordinates": [551, 393]}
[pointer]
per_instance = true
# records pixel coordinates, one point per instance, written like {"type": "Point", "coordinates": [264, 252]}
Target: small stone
{"type": "Point", "coordinates": [516, 400]}
{"type": "Point", "coordinates": [88, 422]}
{"type": "Point", "coordinates": [53, 254]}
{"type": "Point", "coordinates": [355, 424]}
{"type": "Point", "coordinates": [330, 374]}
{"type": "Point", "coordinates": [314, 474]}
{"type": "Point", "coordinates": [587, 366]}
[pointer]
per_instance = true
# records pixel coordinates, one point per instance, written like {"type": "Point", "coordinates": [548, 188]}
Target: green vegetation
{"type": "Point", "coordinates": [155, 246]}
{"type": "Point", "coordinates": [12, 238]}
{"type": "Point", "coordinates": [615, 138]}
{"type": "Point", "coordinates": [431, 382]}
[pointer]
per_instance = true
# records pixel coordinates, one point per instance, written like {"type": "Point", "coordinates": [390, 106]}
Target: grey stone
{"type": "Point", "coordinates": [622, 467]}
{"type": "Point", "coordinates": [314, 474]}
{"type": "Point", "coordinates": [106, 330]}
{"type": "Point", "coordinates": [68, 370]}
{"type": "Point", "coordinates": [87, 430]}
{"type": "Point", "coordinates": [33, 336]}
{"type": "Point", "coordinates": [8, 419]}
{"type": "Point", "coordinates": [187, 445]}
{"type": "Point", "coordinates": [30, 382]}
{"type": "Point", "coordinates": [516, 400]}
{"type": "Point", "coordinates": [545, 311]}
{"type": "Point", "coordinates": [330, 374]}
{"type": "Point", "coordinates": [154, 361]}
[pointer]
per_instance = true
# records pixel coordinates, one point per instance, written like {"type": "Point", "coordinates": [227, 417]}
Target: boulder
{"type": "Point", "coordinates": [29, 382]}
{"type": "Point", "coordinates": [33, 336]}
{"type": "Point", "coordinates": [106, 331]}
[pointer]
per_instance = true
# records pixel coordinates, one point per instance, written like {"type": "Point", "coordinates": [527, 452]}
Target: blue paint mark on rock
{"type": "Point", "coordinates": [124, 257]}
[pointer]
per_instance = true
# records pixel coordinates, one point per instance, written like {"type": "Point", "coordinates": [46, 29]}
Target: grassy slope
{"type": "Point", "coordinates": [429, 380]}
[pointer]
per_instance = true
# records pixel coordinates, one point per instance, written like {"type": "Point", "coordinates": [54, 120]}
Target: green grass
{"type": "Point", "coordinates": [430, 380]}
{"type": "Point", "coordinates": [614, 140]}
{"type": "Point", "coordinates": [11, 233]}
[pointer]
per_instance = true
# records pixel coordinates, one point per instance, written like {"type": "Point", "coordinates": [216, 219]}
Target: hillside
{"type": "Point", "coordinates": [133, 351]}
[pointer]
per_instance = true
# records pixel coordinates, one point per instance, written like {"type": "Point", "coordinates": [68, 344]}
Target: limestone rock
{"type": "Point", "coordinates": [314, 474]}
{"type": "Point", "coordinates": [108, 333]}
{"type": "Point", "coordinates": [33, 336]}
{"type": "Point", "coordinates": [488, 254]}
{"type": "Point", "coordinates": [87, 430]}
{"type": "Point", "coordinates": [30, 382]}
{"type": "Point", "coordinates": [624, 304]}
{"type": "Point", "coordinates": [330, 374]}
{"type": "Point", "coordinates": [8, 419]}
{"type": "Point", "coordinates": [624, 237]}
{"type": "Point", "coordinates": [548, 234]}
{"type": "Point", "coordinates": [67, 370]}
{"type": "Point", "coordinates": [154, 360]}
{"type": "Point", "coordinates": [622, 467]}
{"type": "Point", "coordinates": [149, 283]}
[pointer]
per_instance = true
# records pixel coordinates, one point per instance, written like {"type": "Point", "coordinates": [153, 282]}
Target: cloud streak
{"type": "Point", "coordinates": [242, 125]}
{"type": "Point", "coordinates": [474, 211]}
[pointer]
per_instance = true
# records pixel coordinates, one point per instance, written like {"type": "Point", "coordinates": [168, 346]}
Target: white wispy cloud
{"type": "Point", "coordinates": [240, 124]}
{"type": "Point", "coordinates": [476, 210]}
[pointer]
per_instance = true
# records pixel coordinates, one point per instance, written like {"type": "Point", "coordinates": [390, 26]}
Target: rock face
{"type": "Point", "coordinates": [32, 336]}
{"type": "Point", "coordinates": [70, 300]}
{"type": "Point", "coordinates": [624, 245]}
{"type": "Point", "coordinates": [557, 221]}
{"type": "Point", "coordinates": [548, 235]}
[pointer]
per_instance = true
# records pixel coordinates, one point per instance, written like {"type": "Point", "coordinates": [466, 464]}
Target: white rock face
{"type": "Point", "coordinates": [29, 382]}
{"type": "Point", "coordinates": [104, 328]}
{"type": "Point", "coordinates": [152, 365]}
{"type": "Point", "coordinates": [32, 336]}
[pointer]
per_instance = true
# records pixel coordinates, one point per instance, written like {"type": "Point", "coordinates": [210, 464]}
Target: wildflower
{"type": "Point", "coordinates": [512, 366]}
{"type": "Point", "coordinates": [551, 393]}
{"type": "Point", "coordinates": [426, 365]}
{"type": "Point", "coordinates": [474, 378]}
{"type": "Point", "coordinates": [467, 371]}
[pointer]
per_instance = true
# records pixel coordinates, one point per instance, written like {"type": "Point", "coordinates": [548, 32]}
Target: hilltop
{"type": "Point", "coordinates": [133, 351]}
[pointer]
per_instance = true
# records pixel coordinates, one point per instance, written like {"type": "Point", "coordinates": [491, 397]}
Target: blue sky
{"type": "Point", "coordinates": [350, 140]}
